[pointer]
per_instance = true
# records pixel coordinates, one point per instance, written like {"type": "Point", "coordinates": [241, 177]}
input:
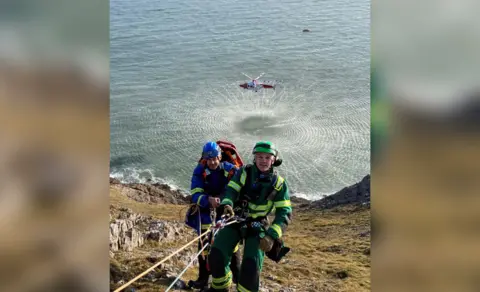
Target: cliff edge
{"type": "Point", "coordinates": [329, 238]}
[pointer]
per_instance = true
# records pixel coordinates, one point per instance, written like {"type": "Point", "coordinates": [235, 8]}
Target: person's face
{"type": "Point", "coordinates": [213, 163]}
{"type": "Point", "coordinates": [264, 161]}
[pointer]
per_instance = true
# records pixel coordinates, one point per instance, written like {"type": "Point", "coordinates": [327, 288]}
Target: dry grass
{"type": "Point", "coordinates": [159, 211]}
{"type": "Point", "coordinates": [328, 251]}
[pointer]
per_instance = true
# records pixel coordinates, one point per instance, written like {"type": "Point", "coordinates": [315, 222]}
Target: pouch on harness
{"type": "Point", "coordinates": [229, 154]}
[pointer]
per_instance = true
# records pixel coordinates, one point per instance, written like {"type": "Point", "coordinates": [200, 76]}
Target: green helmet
{"type": "Point", "coordinates": [265, 147]}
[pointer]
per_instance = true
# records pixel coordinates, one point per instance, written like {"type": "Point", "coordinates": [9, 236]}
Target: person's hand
{"type": "Point", "coordinates": [228, 210]}
{"type": "Point", "coordinates": [214, 202]}
{"type": "Point", "coordinates": [266, 243]}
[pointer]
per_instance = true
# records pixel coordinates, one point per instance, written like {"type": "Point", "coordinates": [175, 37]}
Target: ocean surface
{"type": "Point", "coordinates": [176, 67]}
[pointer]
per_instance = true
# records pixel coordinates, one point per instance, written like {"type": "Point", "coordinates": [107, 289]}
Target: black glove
{"type": "Point", "coordinates": [278, 251]}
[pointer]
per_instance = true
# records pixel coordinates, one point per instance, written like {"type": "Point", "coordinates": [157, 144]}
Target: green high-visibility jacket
{"type": "Point", "coordinates": [261, 206]}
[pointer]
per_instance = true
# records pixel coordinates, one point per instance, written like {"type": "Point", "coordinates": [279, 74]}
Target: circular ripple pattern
{"type": "Point", "coordinates": [259, 125]}
{"type": "Point", "coordinates": [172, 71]}
{"type": "Point", "coordinates": [322, 137]}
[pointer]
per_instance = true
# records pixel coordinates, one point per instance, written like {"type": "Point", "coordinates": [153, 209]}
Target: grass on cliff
{"type": "Point", "coordinates": [330, 250]}
{"type": "Point", "coordinates": [159, 211]}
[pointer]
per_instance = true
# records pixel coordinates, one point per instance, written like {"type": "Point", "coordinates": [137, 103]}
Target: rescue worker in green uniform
{"type": "Point", "coordinates": [253, 193]}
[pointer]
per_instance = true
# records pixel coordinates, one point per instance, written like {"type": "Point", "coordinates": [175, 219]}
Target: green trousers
{"type": "Point", "coordinates": [221, 253]}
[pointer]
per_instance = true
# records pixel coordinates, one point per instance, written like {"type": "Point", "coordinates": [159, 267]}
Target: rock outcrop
{"type": "Point", "coordinates": [125, 235]}
{"type": "Point", "coordinates": [130, 230]}
{"type": "Point", "coordinates": [358, 193]}
{"type": "Point", "coordinates": [151, 193]}
{"type": "Point", "coordinates": [298, 200]}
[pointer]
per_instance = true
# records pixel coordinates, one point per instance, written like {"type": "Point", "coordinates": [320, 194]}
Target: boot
{"type": "Point", "coordinates": [203, 274]}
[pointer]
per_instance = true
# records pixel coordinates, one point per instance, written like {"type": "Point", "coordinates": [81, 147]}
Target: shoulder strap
{"type": "Point", "coordinates": [277, 182]}
{"type": "Point", "coordinates": [246, 187]}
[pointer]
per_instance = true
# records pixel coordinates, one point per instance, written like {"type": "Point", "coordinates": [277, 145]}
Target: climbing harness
{"type": "Point", "coordinates": [242, 210]}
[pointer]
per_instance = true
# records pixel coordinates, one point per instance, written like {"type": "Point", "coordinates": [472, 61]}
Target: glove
{"type": "Point", "coordinates": [266, 243]}
{"type": "Point", "coordinates": [278, 251]}
{"type": "Point", "coordinates": [228, 210]}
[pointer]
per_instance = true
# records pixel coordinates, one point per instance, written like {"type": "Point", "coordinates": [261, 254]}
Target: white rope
{"type": "Point", "coordinates": [160, 262]}
{"type": "Point", "coordinates": [186, 268]}
{"type": "Point", "coordinates": [222, 224]}
{"type": "Point", "coordinates": [172, 254]}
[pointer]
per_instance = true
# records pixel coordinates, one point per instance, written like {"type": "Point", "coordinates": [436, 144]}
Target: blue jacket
{"type": "Point", "coordinates": [206, 183]}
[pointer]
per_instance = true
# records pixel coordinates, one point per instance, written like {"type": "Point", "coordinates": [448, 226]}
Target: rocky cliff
{"type": "Point", "coordinates": [358, 193]}
{"type": "Point", "coordinates": [129, 230]}
{"type": "Point", "coordinates": [155, 193]}
{"type": "Point", "coordinates": [146, 225]}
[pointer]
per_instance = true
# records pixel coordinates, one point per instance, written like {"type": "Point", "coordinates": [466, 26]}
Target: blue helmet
{"type": "Point", "coordinates": [211, 150]}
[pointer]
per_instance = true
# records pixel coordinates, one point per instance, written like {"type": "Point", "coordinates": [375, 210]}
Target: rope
{"type": "Point", "coordinates": [191, 262]}
{"type": "Point", "coordinates": [162, 261]}
{"type": "Point", "coordinates": [199, 229]}
{"type": "Point", "coordinates": [217, 226]}
{"type": "Point", "coordinates": [186, 268]}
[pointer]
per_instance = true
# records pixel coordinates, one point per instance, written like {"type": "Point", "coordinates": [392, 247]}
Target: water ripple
{"type": "Point", "coordinates": [175, 70]}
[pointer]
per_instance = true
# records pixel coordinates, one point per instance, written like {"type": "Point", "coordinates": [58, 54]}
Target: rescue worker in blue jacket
{"type": "Point", "coordinates": [209, 181]}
